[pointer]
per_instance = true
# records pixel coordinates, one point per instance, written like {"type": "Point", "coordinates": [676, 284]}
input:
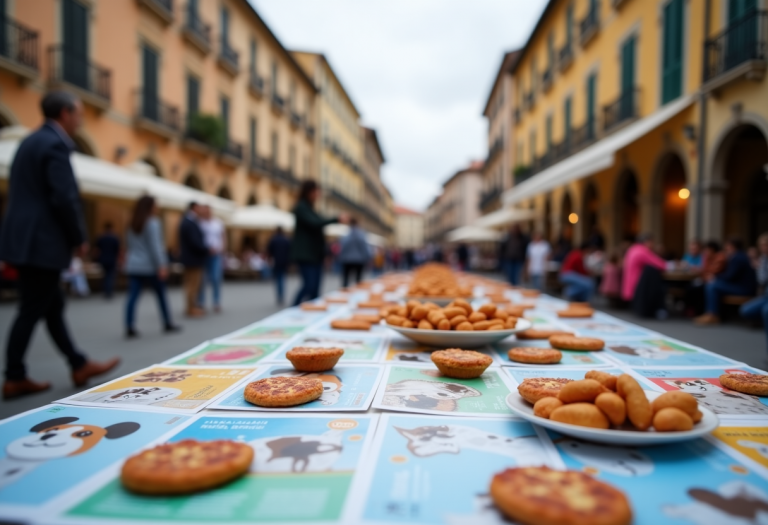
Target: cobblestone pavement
{"type": "Point", "coordinates": [97, 328]}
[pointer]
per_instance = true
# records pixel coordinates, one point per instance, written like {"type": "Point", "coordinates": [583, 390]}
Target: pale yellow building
{"type": "Point", "coordinates": [409, 229]}
{"type": "Point", "coordinates": [649, 115]}
{"type": "Point", "coordinates": [378, 214]}
{"type": "Point", "coordinates": [457, 205]}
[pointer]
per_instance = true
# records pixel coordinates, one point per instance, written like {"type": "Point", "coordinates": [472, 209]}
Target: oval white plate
{"type": "Point", "coordinates": [456, 339]}
{"type": "Point", "coordinates": [708, 423]}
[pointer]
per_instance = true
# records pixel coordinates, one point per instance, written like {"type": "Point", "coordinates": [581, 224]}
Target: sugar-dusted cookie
{"type": "Point", "coordinates": [752, 384]}
{"type": "Point", "coordinates": [283, 391]}
{"type": "Point", "coordinates": [534, 388]}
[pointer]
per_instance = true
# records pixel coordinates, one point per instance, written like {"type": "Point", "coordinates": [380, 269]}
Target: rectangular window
{"type": "Point", "coordinates": [75, 43]}
{"type": "Point", "coordinates": [274, 148]}
{"type": "Point", "coordinates": [567, 121]}
{"type": "Point", "coordinates": [252, 57]}
{"type": "Point", "coordinates": [672, 54]}
{"type": "Point", "coordinates": [292, 158]}
{"type": "Point", "coordinates": [252, 139]}
{"type": "Point", "coordinates": [224, 28]}
{"type": "Point", "coordinates": [192, 10]}
{"type": "Point", "coordinates": [292, 91]}
{"type": "Point", "coordinates": [549, 134]}
{"type": "Point", "coordinates": [149, 88]}
{"type": "Point", "coordinates": [569, 25]}
{"type": "Point", "coordinates": [591, 104]}
{"type": "Point", "coordinates": [626, 104]}
{"type": "Point", "coordinates": [274, 78]}
{"type": "Point", "coordinates": [532, 146]}
{"type": "Point", "coordinates": [551, 51]}
{"type": "Point", "coordinates": [225, 116]}
{"type": "Point", "coordinates": [193, 95]}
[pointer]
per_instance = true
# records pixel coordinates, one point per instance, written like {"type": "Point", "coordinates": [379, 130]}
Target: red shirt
{"type": "Point", "coordinates": [574, 262]}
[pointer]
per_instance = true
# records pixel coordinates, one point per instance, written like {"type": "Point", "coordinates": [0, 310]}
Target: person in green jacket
{"type": "Point", "coordinates": [308, 246]}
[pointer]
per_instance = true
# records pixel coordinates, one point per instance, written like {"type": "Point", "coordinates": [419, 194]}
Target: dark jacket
{"type": "Point", "coordinates": [308, 244]}
{"type": "Point", "coordinates": [44, 221]}
{"type": "Point", "coordinates": [194, 252]}
{"type": "Point", "coordinates": [738, 270]}
{"type": "Point", "coordinates": [279, 250]}
{"type": "Point", "coordinates": [109, 249]}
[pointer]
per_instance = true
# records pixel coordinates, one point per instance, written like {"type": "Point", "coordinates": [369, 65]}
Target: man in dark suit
{"type": "Point", "coordinates": [194, 253]}
{"type": "Point", "coordinates": [42, 227]}
{"type": "Point", "coordinates": [108, 246]}
{"type": "Point", "coordinates": [279, 250]}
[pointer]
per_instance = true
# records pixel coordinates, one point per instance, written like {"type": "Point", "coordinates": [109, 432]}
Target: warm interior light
{"type": "Point", "coordinates": [684, 193]}
{"type": "Point", "coordinates": [573, 218]}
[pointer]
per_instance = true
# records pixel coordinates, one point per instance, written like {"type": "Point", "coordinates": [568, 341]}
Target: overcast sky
{"type": "Point", "coordinates": [419, 72]}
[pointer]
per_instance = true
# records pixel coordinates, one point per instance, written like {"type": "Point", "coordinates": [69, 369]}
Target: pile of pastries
{"type": "Point", "coordinates": [437, 280]}
{"type": "Point", "coordinates": [457, 315]}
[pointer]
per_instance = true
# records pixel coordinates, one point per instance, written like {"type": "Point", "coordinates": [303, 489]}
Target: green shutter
{"type": "Point", "coordinates": [549, 133]}
{"type": "Point", "coordinates": [75, 43]}
{"type": "Point", "coordinates": [567, 121]}
{"type": "Point", "coordinates": [569, 25]}
{"type": "Point", "coordinates": [150, 83]}
{"type": "Point", "coordinates": [591, 101]}
{"type": "Point", "coordinates": [253, 139]}
{"type": "Point", "coordinates": [672, 54]}
{"type": "Point", "coordinates": [4, 48]}
{"type": "Point", "coordinates": [224, 27]}
{"type": "Point", "coordinates": [193, 95]}
{"type": "Point", "coordinates": [225, 116]}
{"type": "Point", "coordinates": [627, 78]}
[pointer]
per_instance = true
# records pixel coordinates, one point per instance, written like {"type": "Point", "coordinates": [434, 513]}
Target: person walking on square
{"type": "Point", "coordinates": [537, 257]}
{"type": "Point", "coordinates": [43, 226]}
{"type": "Point", "coordinates": [308, 246]}
{"type": "Point", "coordinates": [215, 240]}
{"type": "Point", "coordinates": [513, 252]}
{"type": "Point", "coordinates": [194, 254]}
{"type": "Point", "coordinates": [108, 246]}
{"type": "Point", "coordinates": [279, 251]}
{"type": "Point", "coordinates": [146, 263]}
{"type": "Point", "coordinates": [354, 254]}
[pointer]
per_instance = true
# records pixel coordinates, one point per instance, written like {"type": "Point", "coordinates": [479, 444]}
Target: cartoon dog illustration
{"type": "Point", "coordinates": [485, 512]}
{"type": "Point", "coordinates": [619, 461]}
{"type": "Point", "coordinates": [592, 326]}
{"type": "Point", "coordinates": [133, 396]}
{"type": "Point", "coordinates": [645, 352]}
{"type": "Point", "coordinates": [55, 439]}
{"type": "Point", "coordinates": [734, 503]}
{"type": "Point", "coordinates": [413, 357]}
{"type": "Point", "coordinates": [330, 342]}
{"type": "Point", "coordinates": [332, 384]}
{"type": "Point", "coordinates": [433, 395]}
{"type": "Point", "coordinates": [719, 400]}
{"type": "Point", "coordinates": [761, 448]}
{"type": "Point", "coordinates": [297, 453]}
{"type": "Point", "coordinates": [452, 439]}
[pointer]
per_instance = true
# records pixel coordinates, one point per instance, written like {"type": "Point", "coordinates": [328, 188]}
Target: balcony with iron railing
{"type": "Point", "coordinates": [565, 56]}
{"type": "Point", "coordinates": [18, 49]}
{"type": "Point", "coordinates": [91, 82]}
{"type": "Point", "coordinates": [278, 104]}
{"type": "Point", "coordinates": [589, 25]}
{"type": "Point", "coordinates": [295, 119]}
{"type": "Point", "coordinates": [740, 51]}
{"type": "Point", "coordinates": [228, 59]}
{"type": "Point", "coordinates": [584, 135]}
{"type": "Point", "coordinates": [516, 115]}
{"type": "Point", "coordinates": [529, 100]}
{"type": "Point", "coordinates": [522, 173]}
{"type": "Point", "coordinates": [487, 198]}
{"type": "Point", "coordinates": [269, 168]}
{"type": "Point", "coordinates": [547, 77]}
{"type": "Point", "coordinates": [494, 151]}
{"type": "Point", "coordinates": [156, 116]}
{"type": "Point", "coordinates": [310, 131]}
{"type": "Point", "coordinates": [621, 111]}
{"type": "Point", "coordinates": [162, 8]}
{"type": "Point", "coordinates": [231, 152]}
{"type": "Point", "coordinates": [256, 84]}
{"type": "Point", "coordinates": [197, 33]}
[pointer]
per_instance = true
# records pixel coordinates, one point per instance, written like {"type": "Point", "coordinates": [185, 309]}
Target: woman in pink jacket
{"type": "Point", "coordinates": [639, 256]}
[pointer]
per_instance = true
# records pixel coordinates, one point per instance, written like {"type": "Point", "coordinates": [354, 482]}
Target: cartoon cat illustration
{"type": "Point", "coordinates": [718, 400]}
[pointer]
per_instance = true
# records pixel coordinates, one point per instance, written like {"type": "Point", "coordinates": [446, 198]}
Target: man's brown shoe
{"type": "Point", "coordinates": [25, 387]}
{"type": "Point", "coordinates": [706, 320]}
{"type": "Point", "coordinates": [196, 312]}
{"type": "Point", "coordinates": [92, 369]}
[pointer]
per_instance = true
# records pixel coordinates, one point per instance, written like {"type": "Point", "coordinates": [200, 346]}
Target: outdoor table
{"type": "Point", "coordinates": [390, 440]}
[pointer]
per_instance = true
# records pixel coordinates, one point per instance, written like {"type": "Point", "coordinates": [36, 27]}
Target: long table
{"type": "Point", "coordinates": [390, 441]}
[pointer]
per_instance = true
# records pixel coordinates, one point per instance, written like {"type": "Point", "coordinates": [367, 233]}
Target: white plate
{"type": "Point", "coordinates": [439, 301]}
{"type": "Point", "coordinates": [459, 339]}
{"type": "Point", "coordinates": [708, 423]}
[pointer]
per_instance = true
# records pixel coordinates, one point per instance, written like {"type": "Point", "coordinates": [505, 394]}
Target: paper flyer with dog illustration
{"type": "Point", "coordinates": [345, 388]}
{"type": "Point", "coordinates": [518, 375]}
{"type": "Point", "coordinates": [663, 351]}
{"type": "Point", "coordinates": [45, 452]}
{"type": "Point", "coordinates": [423, 390]}
{"type": "Point", "coordinates": [163, 389]}
{"type": "Point", "coordinates": [436, 470]}
{"type": "Point", "coordinates": [211, 353]}
{"type": "Point", "coordinates": [570, 358]}
{"type": "Point", "coordinates": [297, 317]}
{"type": "Point", "coordinates": [704, 385]}
{"type": "Point", "coordinates": [745, 440]}
{"type": "Point", "coordinates": [303, 470]}
{"type": "Point", "coordinates": [358, 348]}
{"type": "Point", "coordinates": [403, 350]}
{"type": "Point", "coordinates": [692, 483]}
{"type": "Point", "coordinates": [606, 326]}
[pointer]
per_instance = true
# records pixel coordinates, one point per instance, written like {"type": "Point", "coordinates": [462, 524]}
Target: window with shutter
{"type": "Point", "coordinates": [567, 122]}
{"type": "Point", "coordinates": [672, 53]}
{"type": "Point", "coordinates": [149, 90]}
{"type": "Point", "coordinates": [75, 43]}
{"type": "Point", "coordinates": [591, 101]}
{"type": "Point", "coordinates": [627, 78]}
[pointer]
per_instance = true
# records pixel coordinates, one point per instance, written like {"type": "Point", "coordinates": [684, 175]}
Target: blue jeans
{"type": "Point", "coordinates": [537, 281]}
{"type": "Point", "coordinates": [713, 291]}
{"type": "Point", "coordinates": [757, 308]}
{"type": "Point", "coordinates": [279, 275]}
{"type": "Point", "coordinates": [512, 271]}
{"type": "Point", "coordinates": [135, 284]}
{"type": "Point", "coordinates": [311, 273]}
{"type": "Point", "coordinates": [578, 287]}
{"type": "Point", "coordinates": [212, 274]}
{"type": "Point", "coordinates": [108, 280]}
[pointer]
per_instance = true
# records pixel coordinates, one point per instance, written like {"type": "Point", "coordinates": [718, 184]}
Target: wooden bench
{"type": "Point", "coordinates": [736, 300]}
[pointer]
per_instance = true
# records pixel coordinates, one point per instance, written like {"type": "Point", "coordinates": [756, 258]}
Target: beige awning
{"type": "Point", "coordinates": [261, 217]}
{"type": "Point", "coordinates": [503, 217]}
{"type": "Point", "coordinates": [473, 234]}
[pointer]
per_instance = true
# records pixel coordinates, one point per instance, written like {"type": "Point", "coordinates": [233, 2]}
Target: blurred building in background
{"type": "Point", "coordinates": [378, 214]}
{"type": "Point", "coordinates": [184, 99]}
{"type": "Point", "coordinates": [409, 228]}
{"type": "Point", "coordinates": [458, 205]}
{"type": "Point", "coordinates": [633, 116]}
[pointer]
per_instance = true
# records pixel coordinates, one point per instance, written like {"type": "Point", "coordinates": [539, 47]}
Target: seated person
{"type": "Point", "coordinates": [757, 309]}
{"type": "Point", "coordinates": [693, 260]}
{"type": "Point", "coordinates": [579, 285]}
{"type": "Point", "coordinates": [738, 278]}
{"type": "Point", "coordinates": [638, 256]}
{"type": "Point", "coordinates": [760, 262]}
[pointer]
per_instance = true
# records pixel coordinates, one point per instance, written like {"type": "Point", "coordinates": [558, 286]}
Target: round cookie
{"type": "Point", "coordinates": [283, 391]}
{"type": "Point", "coordinates": [540, 356]}
{"type": "Point", "coordinates": [534, 333]}
{"type": "Point", "coordinates": [186, 466]}
{"type": "Point", "coordinates": [461, 364]}
{"type": "Point", "coordinates": [569, 342]}
{"type": "Point", "coordinates": [306, 359]}
{"type": "Point", "coordinates": [552, 497]}
{"type": "Point", "coordinates": [534, 388]}
{"type": "Point", "coordinates": [752, 384]}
